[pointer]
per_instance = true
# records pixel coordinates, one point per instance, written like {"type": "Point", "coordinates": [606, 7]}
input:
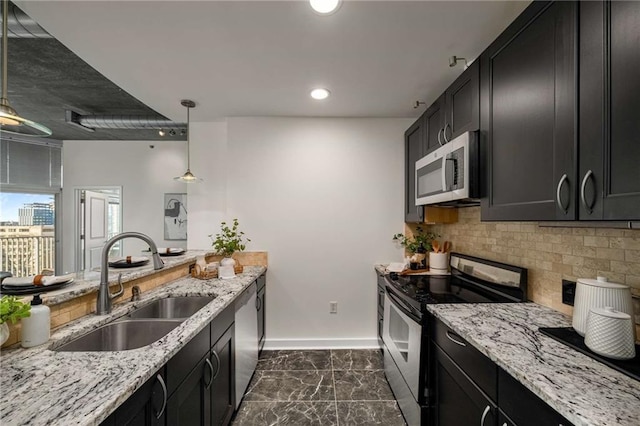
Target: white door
{"type": "Point", "coordinates": [96, 220]}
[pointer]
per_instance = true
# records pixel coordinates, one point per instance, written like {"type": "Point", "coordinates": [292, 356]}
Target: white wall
{"type": "Point", "coordinates": [144, 174]}
{"type": "Point", "coordinates": [323, 197]}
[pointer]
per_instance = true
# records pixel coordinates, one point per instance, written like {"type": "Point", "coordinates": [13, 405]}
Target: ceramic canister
{"type": "Point", "coordinates": [598, 294]}
{"type": "Point", "coordinates": [610, 333]}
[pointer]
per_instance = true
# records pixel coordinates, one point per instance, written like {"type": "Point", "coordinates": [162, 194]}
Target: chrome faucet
{"type": "Point", "coordinates": [103, 304]}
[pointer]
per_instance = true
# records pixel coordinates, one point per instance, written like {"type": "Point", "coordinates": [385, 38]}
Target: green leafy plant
{"type": "Point", "coordinates": [419, 243]}
{"type": "Point", "coordinates": [12, 309]}
{"type": "Point", "coordinates": [229, 240]}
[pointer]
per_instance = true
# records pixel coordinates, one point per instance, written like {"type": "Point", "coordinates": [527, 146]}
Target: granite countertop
{"type": "Point", "coordinates": [43, 387]}
{"type": "Point", "coordinates": [88, 281]}
{"type": "Point", "coordinates": [581, 389]}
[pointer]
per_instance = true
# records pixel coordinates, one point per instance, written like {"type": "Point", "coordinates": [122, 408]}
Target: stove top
{"type": "Point", "coordinates": [472, 280]}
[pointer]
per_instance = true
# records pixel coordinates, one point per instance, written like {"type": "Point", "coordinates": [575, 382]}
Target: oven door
{"type": "Point", "coordinates": [402, 337]}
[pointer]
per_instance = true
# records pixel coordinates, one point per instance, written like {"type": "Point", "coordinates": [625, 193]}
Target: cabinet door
{"type": "Point", "coordinates": [528, 79]}
{"type": "Point", "coordinates": [260, 309]}
{"type": "Point", "coordinates": [609, 105]}
{"type": "Point", "coordinates": [147, 406]}
{"type": "Point", "coordinates": [222, 390]}
{"type": "Point", "coordinates": [190, 404]}
{"type": "Point", "coordinates": [459, 402]}
{"type": "Point", "coordinates": [413, 143]}
{"type": "Point", "coordinates": [463, 103]}
{"type": "Point", "coordinates": [434, 119]}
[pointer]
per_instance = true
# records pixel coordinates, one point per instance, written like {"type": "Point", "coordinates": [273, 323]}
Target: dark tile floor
{"type": "Point", "coordinates": [324, 387]}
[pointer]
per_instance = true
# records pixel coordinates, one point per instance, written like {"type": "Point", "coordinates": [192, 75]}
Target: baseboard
{"type": "Point", "coordinates": [298, 344]}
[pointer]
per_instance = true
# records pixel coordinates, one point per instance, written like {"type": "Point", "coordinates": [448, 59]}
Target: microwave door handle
{"type": "Point", "coordinates": [443, 171]}
{"type": "Point", "coordinates": [449, 172]}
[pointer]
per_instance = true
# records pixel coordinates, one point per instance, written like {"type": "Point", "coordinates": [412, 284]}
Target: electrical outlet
{"type": "Point", "coordinates": [568, 292]}
{"type": "Point", "coordinates": [333, 307]}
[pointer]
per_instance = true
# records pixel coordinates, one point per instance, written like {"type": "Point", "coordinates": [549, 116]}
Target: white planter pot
{"type": "Point", "coordinates": [228, 261]}
{"type": "Point", "coordinates": [4, 333]}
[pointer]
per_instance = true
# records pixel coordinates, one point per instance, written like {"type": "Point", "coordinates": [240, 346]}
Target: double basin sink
{"type": "Point", "coordinates": [139, 328]}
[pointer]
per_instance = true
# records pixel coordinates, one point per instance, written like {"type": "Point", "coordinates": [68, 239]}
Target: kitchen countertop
{"type": "Point", "coordinates": [43, 387]}
{"type": "Point", "coordinates": [88, 281]}
{"type": "Point", "coordinates": [581, 389]}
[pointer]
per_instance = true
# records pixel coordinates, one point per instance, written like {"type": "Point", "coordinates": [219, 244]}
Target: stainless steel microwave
{"type": "Point", "coordinates": [449, 176]}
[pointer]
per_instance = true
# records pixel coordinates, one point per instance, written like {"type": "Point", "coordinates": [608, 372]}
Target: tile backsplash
{"type": "Point", "coordinates": [549, 254]}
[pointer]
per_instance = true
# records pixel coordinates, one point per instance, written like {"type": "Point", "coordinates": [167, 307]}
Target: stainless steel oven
{"type": "Point", "coordinates": [405, 346]}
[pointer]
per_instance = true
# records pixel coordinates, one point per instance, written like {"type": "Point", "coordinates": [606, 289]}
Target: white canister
{"type": "Point", "coordinates": [610, 333]}
{"type": "Point", "coordinates": [598, 294]}
{"type": "Point", "coordinates": [36, 327]}
{"type": "Point", "coordinates": [438, 262]}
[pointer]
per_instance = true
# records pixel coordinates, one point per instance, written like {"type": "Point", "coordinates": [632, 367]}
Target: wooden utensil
{"type": "Point", "coordinates": [435, 245]}
{"type": "Point", "coordinates": [447, 246]}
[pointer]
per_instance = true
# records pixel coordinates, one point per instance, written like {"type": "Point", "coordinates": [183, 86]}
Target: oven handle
{"type": "Point", "coordinates": [404, 307]}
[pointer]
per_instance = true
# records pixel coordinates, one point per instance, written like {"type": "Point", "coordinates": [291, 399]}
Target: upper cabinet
{"type": "Point", "coordinates": [456, 111]}
{"type": "Point", "coordinates": [528, 116]}
{"type": "Point", "coordinates": [413, 148]}
{"type": "Point", "coordinates": [463, 103]}
{"type": "Point", "coordinates": [609, 164]}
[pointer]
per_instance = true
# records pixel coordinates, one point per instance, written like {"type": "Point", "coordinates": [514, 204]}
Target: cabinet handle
{"type": "Point", "coordinates": [444, 133]}
{"type": "Point", "coordinates": [583, 188]}
{"type": "Point", "coordinates": [484, 415]}
{"type": "Point", "coordinates": [563, 179]}
{"type": "Point", "coordinates": [504, 424]}
{"type": "Point", "coordinates": [258, 303]}
{"type": "Point", "coordinates": [215, 355]}
{"type": "Point", "coordinates": [419, 212]}
{"type": "Point", "coordinates": [211, 374]}
{"type": "Point", "coordinates": [449, 334]}
{"type": "Point", "coordinates": [439, 133]}
{"type": "Point", "coordinates": [164, 397]}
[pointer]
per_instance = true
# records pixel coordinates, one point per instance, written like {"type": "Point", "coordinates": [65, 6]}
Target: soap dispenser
{"type": "Point", "coordinates": [37, 326]}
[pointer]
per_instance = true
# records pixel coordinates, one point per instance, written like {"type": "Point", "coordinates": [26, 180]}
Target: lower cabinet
{"type": "Point", "coordinates": [470, 389]}
{"type": "Point", "coordinates": [145, 407]}
{"type": "Point", "coordinates": [459, 401]}
{"type": "Point", "coordinates": [196, 386]}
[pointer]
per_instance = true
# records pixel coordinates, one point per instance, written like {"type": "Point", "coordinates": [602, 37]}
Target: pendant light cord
{"type": "Point", "coordinates": [188, 137]}
{"type": "Point", "coordinates": [5, 45]}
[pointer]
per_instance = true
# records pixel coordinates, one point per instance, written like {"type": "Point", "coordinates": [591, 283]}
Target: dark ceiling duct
{"type": "Point", "coordinates": [91, 122]}
{"type": "Point", "coordinates": [22, 26]}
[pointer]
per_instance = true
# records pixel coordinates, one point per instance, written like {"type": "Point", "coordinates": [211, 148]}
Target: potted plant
{"type": "Point", "coordinates": [11, 309]}
{"type": "Point", "coordinates": [417, 245]}
{"type": "Point", "coordinates": [228, 241]}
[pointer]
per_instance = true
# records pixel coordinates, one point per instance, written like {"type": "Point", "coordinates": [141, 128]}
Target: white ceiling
{"type": "Point", "coordinates": [261, 58]}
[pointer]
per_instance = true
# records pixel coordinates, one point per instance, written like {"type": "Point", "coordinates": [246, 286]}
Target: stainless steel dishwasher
{"type": "Point", "coordinates": [246, 329]}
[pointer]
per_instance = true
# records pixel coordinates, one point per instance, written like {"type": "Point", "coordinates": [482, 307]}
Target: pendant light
{"type": "Point", "coordinates": [10, 121]}
{"type": "Point", "coordinates": [188, 177]}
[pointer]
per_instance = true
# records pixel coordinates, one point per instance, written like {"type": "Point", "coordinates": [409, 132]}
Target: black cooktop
{"type": "Point", "coordinates": [472, 280]}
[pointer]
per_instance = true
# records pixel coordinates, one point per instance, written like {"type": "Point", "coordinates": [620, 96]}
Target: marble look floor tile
{"type": "Point", "coordinates": [291, 386]}
{"type": "Point", "coordinates": [385, 413]}
{"type": "Point", "coordinates": [295, 360]}
{"type": "Point", "coordinates": [349, 359]}
{"type": "Point", "coordinates": [362, 385]}
{"type": "Point", "coordinates": [286, 413]}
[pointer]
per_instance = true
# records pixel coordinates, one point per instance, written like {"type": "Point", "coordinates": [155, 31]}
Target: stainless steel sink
{"type": "Point", "coordinates": [172, 307]}
{"type": "Point", "coordinates": [121, 336]}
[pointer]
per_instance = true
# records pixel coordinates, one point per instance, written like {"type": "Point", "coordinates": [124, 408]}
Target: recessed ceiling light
{"type": "Point", "coordinates": [325, 7]}
{"type": "Point", "coordinates": [320, 94]}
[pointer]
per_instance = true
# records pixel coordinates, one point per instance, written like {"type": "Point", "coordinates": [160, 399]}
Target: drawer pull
{"type": "Point", "coordinates": [457, 342]}
{"type": "Point", "coordinates": [484, 415]}
{"type": "Point", "coordinates": [208, 363]}
{"type": "Point", "coordinates": [215, 355]}
{"type": "Point", "coordinates": [164, 397]}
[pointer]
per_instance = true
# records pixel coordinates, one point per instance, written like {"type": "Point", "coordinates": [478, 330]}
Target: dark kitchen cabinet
{"type": "Point", "coordinates": [459, 401]}
{"type": "Point", "coordinates": [462, 101]}
{"type": "Point", "coordinates": [434, 122]}
{"type": "Point", "coordinates": [413, 148]}
{"type": "Point", "coordinates": [528, 79]}
{"type": "Point", "coordinates": [190, 404]}
{"type": "Point", "coordinates": [146, 407]}
{"type": "Point", "coordinates": [609, 104]}
{"type": "Point", "coordinates": [260, 308]}
{"type": "Point", "coordinates": [522, 407]}
{"type": "Point", "coordinates": [222, 390]}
